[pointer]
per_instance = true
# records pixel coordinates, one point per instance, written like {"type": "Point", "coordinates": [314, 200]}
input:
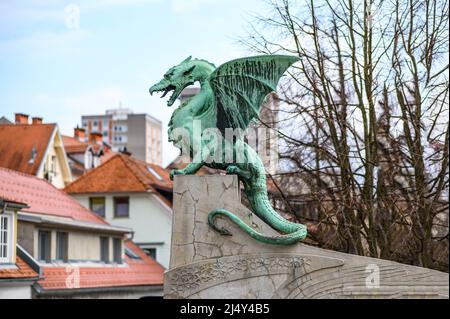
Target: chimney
{"type": "Point", "coordinates": [79, 134]}
{"type": "Point", "coordinates": [36, 120]}
{"type": "Point", "coordinates": [21, 118]}
{"type": "Point", "coordinates": [96, 138]}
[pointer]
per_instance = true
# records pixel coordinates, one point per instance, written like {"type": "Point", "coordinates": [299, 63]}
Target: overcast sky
{"type": "Point", "coordinates": [57, 66]}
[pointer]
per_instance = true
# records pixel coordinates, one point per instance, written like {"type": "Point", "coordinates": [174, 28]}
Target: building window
{"type": "Point", "coordinates": [104, 249]}
{"type": "Point", "coordinates": [95, 123]}
{"type": "Point", "coordinates": [117, 246]}
{"type": "Point", "coordinates": [121, 139]}
{"type": "Point", "coordinates": [151, 252]}
{"type": "Point", "coordinates": [5, 238]}
{"type": "Point", "coordinates": [44, 246]}
{"type": "Point", "coordinates": [121, 207]}
{"type": "Point", "coordinates": [53, 165]}
{"type": "Point", "coordinates": [62, 246]}
{"type": "Point", "coordinates": [120, 128]}
{"type": "Point", "coordinates": [97, 205]}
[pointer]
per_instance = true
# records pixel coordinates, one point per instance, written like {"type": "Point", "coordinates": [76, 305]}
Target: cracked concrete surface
{"type": "Point", "coordinates": [205, 264]}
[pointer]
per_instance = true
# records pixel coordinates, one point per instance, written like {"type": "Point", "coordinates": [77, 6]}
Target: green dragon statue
{"type": "Point", "coordinates": [230, 97]}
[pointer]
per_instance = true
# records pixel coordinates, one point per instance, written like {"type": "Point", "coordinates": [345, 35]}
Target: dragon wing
{"type": "Point", "coordinates": [240, 87]}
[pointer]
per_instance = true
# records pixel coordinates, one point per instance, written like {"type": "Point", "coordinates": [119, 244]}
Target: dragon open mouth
{"type": "Point", "coordinates": [167, 90]}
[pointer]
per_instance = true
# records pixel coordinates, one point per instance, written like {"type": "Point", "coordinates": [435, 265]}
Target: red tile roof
{"type": "Point", "coordinates": [121, 173]}
{"type": "Point", "coordinates": [73, 145]}
{"type": "Point", "coordinates": [22, 271]}
{"type": "Point", "coordinates": [17, 142]}
{"type": "Point", "coordinates": [42, 197]}
{"type": "Point", "coordinates": [135, 272]}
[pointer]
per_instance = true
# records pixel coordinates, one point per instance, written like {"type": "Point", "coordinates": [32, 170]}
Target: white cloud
{"type": "Point", "coordinates": [71, 107]}
{"type": "Point", "coordinates": [47, 24]}
{"type": "Point", "coordinates": [181, 6]}
{"type": "Point", "coordinates": [93, 101]}
{"type": "Point", "coordinates": [48, 43]}
{"type": "Point", "coordinates": [89, 5]}
{"type": "Point", "coordinates": [15, 13]}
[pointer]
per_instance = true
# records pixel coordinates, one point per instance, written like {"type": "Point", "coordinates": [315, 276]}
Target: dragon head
{"type": "Point", "coordinates": [181, 76]}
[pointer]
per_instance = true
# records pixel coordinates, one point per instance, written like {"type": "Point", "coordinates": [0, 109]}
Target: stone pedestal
{"type": "Point", "coordinates": [205, 264]}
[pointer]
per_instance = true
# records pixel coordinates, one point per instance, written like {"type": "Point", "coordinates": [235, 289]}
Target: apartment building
{"type": "Point", "coordinates": [139, 134]}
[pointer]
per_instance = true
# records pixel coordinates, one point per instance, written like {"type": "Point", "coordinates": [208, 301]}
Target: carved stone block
{"type": "Point", "coordinates": [205, 264]}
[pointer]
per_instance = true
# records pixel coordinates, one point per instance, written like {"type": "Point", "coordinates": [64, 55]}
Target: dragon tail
{"type": "Point", "coordinates": [299, 232]}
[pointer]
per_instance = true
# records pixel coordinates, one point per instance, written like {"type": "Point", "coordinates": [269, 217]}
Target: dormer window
{"type": "Point", "coordinates": [6, 238]}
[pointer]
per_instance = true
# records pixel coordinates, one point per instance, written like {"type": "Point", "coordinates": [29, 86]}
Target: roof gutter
{"type": "Point", "coordinates": [163, 188]}
{"type": "Point", "coordinates": [70, 292]}
{"type": "Point", "coordinates": [70, 223]}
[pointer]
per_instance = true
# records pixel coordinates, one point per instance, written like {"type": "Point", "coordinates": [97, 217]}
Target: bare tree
{"type": "Point", "coordinates": [364, 123]}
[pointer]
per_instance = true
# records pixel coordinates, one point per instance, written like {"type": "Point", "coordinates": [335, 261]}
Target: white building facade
{"type": "Point", "coordinates": [148, 216]}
